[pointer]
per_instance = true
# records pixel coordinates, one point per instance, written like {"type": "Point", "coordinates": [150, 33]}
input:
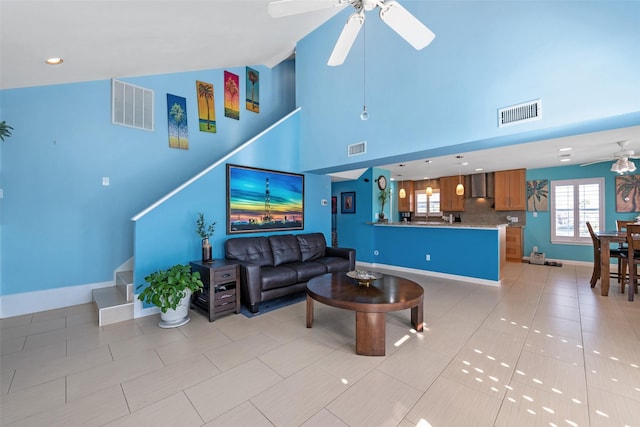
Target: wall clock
{"type": "Point", "coordinates": [382, 182]}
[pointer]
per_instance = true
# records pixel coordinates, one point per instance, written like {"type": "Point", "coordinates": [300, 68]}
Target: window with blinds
{"type": "Point", "coordinates": [573, 203]}
{"type": "Point", "coordinates": [428, 205]}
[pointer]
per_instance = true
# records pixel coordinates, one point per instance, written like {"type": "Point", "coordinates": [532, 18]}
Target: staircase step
{"type": "Point", "coordinates": [124, 283]}
{"type": "Point", "coordinates": [113, 306]}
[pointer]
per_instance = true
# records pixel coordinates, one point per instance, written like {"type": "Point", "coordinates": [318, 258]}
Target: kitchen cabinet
{"type": "Point", "coordinates": [449, 200]}
{"type": "Point", "coordinates": [406, 204]}
{"type": "Point", "coordinates": [510, 190]}
{"type": "Point", "coordinates": [513, 244]}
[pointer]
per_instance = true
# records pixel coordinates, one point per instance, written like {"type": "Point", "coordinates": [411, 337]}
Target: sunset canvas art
{"type": "Point", "coordinates": [231, 95]}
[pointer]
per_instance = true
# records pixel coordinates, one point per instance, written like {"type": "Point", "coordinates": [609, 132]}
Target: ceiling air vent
{"type": "Point", "coordinates": [131, 105]}
{"type": "Point", "coordinates": [520, 113]}
{"type": "Point", "coordinates": [357, 149]}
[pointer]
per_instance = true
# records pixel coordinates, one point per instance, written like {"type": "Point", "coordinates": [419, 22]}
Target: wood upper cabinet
{"type": "Point", "coordinates": [406, 204]}
{"type": "Point", "coordinates": [449, 200]}
{"type": "Point", "coordinates": [510, 190]}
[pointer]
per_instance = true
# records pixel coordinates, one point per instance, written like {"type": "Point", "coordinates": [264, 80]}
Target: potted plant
{"type": "Point", "coordinates": [205, 231]}
{"type": "Point", "coordinates": [170, 290]}
{"type": "Point", "coordinates": [383, 196]}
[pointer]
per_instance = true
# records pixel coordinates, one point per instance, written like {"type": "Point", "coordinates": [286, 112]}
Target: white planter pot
{"type": "Point", "coordinates": [179, 316]}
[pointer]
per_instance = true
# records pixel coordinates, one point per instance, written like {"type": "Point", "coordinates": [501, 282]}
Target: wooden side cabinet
{"type": "Point", "coordinates": [510, 190]}
{"type": "Point", "coordinates": [449, 200]}
{"type": "Point", "coordinates": [514, 244]}
{"type": "Point", "coordinates": [221, 293]}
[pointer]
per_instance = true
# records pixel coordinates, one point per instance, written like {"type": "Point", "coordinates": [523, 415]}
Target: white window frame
{"type": "Point", "coordinates": [428, 213]}
{"type": "Point", "coordinates": [576, 183]}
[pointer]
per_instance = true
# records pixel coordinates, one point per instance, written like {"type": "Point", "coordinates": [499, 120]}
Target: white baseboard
{"type": "Point", "coordinates": [48, 299]}
{"type": "Point", "coordinates": [431, 274]}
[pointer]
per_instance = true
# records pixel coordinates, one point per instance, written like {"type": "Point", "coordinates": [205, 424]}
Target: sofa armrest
{"type": "Point", "coordinates": [251, 283]}
{"type": "Point", "coordinates": [346, 253]}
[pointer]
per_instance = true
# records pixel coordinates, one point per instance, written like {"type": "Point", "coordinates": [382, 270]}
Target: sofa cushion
{"type": "Point", "coordinates": [312, 245]}
{"type": "Point", "coordinates": [278, 277]}
{"type": "Point", "coordinates": [285, 249]}
{"type": "Point", "coordinates": [256, 250]}
{"type": "Point", "coordinates": [307, 270]}
{"type": "Point", "coordinates": [334, 264]}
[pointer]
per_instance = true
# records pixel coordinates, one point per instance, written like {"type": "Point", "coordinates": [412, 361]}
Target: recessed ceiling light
{"type": "Point", "coordinates": [54, 61]}
{"type": "Point", "coordinates": [478, 169]}
{"type": "Point", "coordinates": [565, 159]}
{"type": "Point", "coordinates": [566, 149]}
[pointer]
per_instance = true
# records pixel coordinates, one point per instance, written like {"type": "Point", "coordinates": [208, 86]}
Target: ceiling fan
{"type": "Point", "coordinates": [391, 12]}
{"type": "Point", "coordinates": [622, 163]}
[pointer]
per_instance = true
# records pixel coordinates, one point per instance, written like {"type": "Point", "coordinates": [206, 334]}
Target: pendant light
{"type": "Point", "coordinates": [429, 190]}
{"type": "Point", "coordinates": [364, 115]}
{"type": "Point", "coordinates": [459, 187]}
{"type": "Point", "coordinates": [402, 194]}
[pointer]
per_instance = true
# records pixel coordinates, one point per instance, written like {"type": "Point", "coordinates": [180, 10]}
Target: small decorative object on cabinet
{"type": "Point", "coordinates": [510, 190]}
{"type": "Point", "coordinates": [221, 291]}
{"type": "Point", "coordinates": [205, 231]}
{"type": "Point", "coordinates": [170, 290]}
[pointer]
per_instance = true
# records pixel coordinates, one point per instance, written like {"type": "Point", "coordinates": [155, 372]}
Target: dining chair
{"type": "Point", "coordinates": [632, 259]}
{"type": "Point", "coordinates": [615, 253]}
{"type": "Point", "coordinates": [621, 225]}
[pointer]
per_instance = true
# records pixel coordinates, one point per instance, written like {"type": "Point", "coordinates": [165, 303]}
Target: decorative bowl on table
{"type": "Point", "coordinates": [364, 278]}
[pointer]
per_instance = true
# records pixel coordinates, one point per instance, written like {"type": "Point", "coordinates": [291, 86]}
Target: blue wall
{"type": "Point", "coordinates": [166, 235]}
{"type": "Point", "coordinates": [580, 58]}
{"type": "Point", "coordinates": [56, 215]}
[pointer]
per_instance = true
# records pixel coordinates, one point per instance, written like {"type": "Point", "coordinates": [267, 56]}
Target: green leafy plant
{"type": "Point", "coordinates": [204, 231]}
{"type": "Point", "coordinates": [383, 196]}
{"type": "Point", "coordinates": [167, 287]}
{"type": "Point", "coordinates": [5, 130]}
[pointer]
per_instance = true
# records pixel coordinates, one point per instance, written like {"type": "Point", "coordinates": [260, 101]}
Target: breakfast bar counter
{"type": "Point", "coordinates": [471, 252]}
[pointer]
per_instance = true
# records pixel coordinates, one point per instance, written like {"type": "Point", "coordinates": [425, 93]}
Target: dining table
{"type": "Point", "coordinates": [606, 238]}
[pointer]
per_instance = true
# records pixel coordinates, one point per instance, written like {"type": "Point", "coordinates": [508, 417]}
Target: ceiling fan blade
{"type": "Point", "coordinates": [347, 37]}
{"type": "Point", "coordinates": [406, 25]}
{"type": "Point", "coordinates": [597, 161]}
{"type": "Point", "coordinates": [280, 8]}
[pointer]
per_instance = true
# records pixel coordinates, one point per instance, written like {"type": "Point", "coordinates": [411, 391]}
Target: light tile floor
{"type": "Point", "coordinates": [543, 349]}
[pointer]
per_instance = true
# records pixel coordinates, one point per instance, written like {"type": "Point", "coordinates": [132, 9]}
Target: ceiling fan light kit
{"type": "Point", "coordinates": [623, 165]}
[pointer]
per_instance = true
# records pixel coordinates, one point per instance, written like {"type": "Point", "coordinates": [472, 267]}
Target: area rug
{"type": "Point", "coordinates": [275, 304]}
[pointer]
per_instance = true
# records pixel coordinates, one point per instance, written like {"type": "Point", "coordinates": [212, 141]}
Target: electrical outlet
{"type": "Point", "coordinates": [535, 249]}
{"type": "Point", "coordinates": [514, 219]}
{"type": "Point", "coordinates": [428, 257]}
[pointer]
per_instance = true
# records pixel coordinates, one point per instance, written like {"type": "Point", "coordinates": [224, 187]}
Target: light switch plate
{"type": "Point", "coordinates": [105, 181]}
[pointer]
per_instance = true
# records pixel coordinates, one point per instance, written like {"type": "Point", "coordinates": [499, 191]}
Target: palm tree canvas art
{"type": "Point", "coordinates": [177, 121]}
{"type": "Point", "coordinates": [206, 107]}
{"type": "Point", "coordinates": [231, 95]}
{"type": "Point", "coordinates": [253, 90]}
{"type": "Point", "coordinates": [538, 195]}
{"type": "Point", "coordinates": [628, 193]}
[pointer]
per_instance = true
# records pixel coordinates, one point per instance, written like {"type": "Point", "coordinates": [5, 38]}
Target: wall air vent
{"type": "Point", "coordinates": [131, 105]}
{"type": "Point", "coordinates": [520, 113]}
{"type": "Point", "coordinates": [357, 149]}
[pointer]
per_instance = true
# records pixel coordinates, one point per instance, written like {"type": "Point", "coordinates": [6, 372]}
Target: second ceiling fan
{"type": "Point", "coordinates": [391, 12]}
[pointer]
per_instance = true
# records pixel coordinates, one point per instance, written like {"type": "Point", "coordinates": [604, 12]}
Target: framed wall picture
{"type": "Point", "coordinates": [538, 195]}
{"type": "Point", "coordinates": [263, 200]}
{"type": "Point", "coordinates": [348, 205]}
{"type": "Point", "coordinates": [628, 193]}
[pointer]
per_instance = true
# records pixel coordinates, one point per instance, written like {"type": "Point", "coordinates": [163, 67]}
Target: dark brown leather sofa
{"type": "Point", "coordinates": [278, 265]}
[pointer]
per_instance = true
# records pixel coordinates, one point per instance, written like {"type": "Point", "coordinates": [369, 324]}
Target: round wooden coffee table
{"type": "Point", "coordinates": [390, 293]}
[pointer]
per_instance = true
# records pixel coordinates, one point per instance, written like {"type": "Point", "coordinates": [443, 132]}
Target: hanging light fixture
{"type": "Point", "coordinates": [402, 194]}
{"type": "Point", "coordinates": [429, 190]}
{"type": "Point", "coordinates": [459, 187]}
{"type": "Point", "coordinates": [623, 165]}
{"type": "Point", "coordinates": [365, 114]}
